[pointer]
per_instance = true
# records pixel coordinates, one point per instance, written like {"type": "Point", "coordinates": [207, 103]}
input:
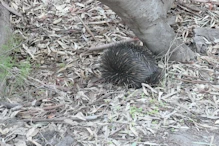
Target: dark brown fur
{"type": "Point", "coordinates": [130, 65]}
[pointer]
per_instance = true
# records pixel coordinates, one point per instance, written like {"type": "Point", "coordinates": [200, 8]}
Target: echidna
{"type": "Point", "coordinates": [128, 64]}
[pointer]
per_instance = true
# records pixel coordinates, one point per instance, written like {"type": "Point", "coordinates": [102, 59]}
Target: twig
{"type": "Point", "coordinates": [51, 87]}
{"type": "Point", "coordinates": [207, 1]}
{"type": "Point", "coordinates": [61, 120]}
{"type": "Point", "coordinates": [101, 47]}
{"type": "Point", "coordinates": [99, 22]}
{"type": "Point", "coordinates": [87, 28]}
{"type": "Point", "coordinates": [195, 81]}
{"type": "Point", "coordinates": [28, 51]}
{"type": "Point", "coordinates": [212, 140]}
{"type": "Point", "coordinates": [119, 129]}
{"type": "Point", "coordinates": [53, 107]}
{"type": "Point", "coordinates": [187, 8]}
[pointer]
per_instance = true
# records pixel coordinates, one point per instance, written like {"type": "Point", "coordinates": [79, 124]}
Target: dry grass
{"type": "Point", "coordinates": [64, 96]}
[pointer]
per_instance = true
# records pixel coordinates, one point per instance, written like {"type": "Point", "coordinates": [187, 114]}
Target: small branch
{"type": "Point", "coordinates": [61, 120]}
{"type": "Point", "coordinates": [54, 88]}
{"type": "Point", "coordinates": [189, 9]}
{"type": "Point", "coordinates": [207, 1]}
{"type": "Point", "coordinates": [102, 47]}
{"type": "Point", "coordinates": [28, 51]}
{"type": "Point", "coordinates": [53, 107]}
{"type": "Point", "coordinates": [119, 129]}
{"type": "Point", "coordinates": [87, 28]}
{"type": "Point", "coordinates": [195, 81]}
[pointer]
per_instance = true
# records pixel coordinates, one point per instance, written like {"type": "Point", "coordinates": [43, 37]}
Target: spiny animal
{"type": "Point", "coordinates": [130, 65]}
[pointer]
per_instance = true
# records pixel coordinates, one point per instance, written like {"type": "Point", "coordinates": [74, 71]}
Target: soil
{"type": "Point", "coordinates": [64, 101]}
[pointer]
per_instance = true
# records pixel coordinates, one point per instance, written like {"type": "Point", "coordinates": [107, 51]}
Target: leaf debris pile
{"type": "Point", "coordinates": [64, 101]}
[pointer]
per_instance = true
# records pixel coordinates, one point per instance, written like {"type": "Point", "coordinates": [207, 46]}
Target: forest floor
{"type": "Point", "coordinates": [64, 101]}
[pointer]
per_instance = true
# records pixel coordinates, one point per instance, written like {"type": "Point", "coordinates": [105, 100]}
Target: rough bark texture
{"type": "Point", "coordinates": [5, 28]}
{"type": "Point", "coordinates": [5, 34]}
{"type": "Point", "coordinates": [147, 19]}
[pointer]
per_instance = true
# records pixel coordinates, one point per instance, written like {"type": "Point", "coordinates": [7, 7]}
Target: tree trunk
{"type": "Point", "coordinates": [147, 19]}
{"type": "Point", "coordinates": [5, 28]}
{"type": "Point", "coordinates": [5, 34]}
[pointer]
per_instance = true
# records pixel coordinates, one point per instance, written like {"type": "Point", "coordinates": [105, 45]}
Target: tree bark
{"type": "Point", "coordinates": [147, 19]}
{"type": "Point", "coordinates": [5, 34]}
{"type": "Point", "coordinates": [5, 27]}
